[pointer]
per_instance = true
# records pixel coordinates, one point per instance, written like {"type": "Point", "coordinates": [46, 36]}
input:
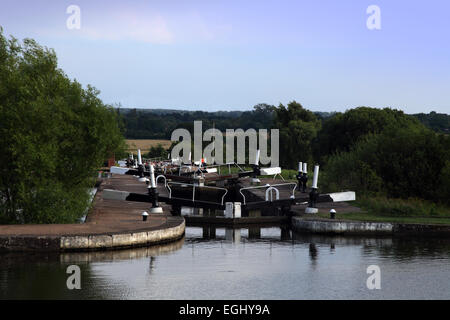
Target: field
{"type": "Point", "coordinates": [146, 144]}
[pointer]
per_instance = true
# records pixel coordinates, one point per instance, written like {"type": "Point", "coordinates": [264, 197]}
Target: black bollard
{"type": "Point", "coordinates": [332, 214]}
{"type": "Point", "coordinates": [313, 195]}
{"type": "Point", "coordinates": [153, 197]}
{"type": "Point", "coordinates": [304, 179]}
{"type": "Point", "coordinates": [299, 180]}
{"type": "Point", "coordinates": [141, 171]}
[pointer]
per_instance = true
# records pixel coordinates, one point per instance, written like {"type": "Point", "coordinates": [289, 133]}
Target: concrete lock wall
{"type": "Point", "coordinates": [341, 227]}
{"type": "Point", "coordinates": [92, 241]}
{"type": "Point", "coordinates": [361, 227]}
{"type": "Point", "coordinates": [122, 239]}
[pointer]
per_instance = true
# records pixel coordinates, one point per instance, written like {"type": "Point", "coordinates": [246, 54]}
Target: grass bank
{"type": "Point", "coordinates": [382, 209]}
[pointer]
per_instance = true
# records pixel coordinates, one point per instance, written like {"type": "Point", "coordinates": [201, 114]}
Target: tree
{"type": "Point", "coordinates": [439, 122]}
{"type": "Point", "coordinates": [298, 128]}
{"type": "Point", "coordinates": [341, 132]}
{"type": "Point", "coordinates": [157, 151]}
{"type": "Point", "coordinates": [55, 134]}
{"type": "Point", "coordinates": [403, 162]}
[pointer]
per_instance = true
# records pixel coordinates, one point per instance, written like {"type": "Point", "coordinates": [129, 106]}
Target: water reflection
{"type": "Point", "coordinates": [254, 233]}
{"type": "Point", "coordinates": [43, 275]}
{"type": "Point", "coordinates": [256, 262]}
{"type": "Point", "coordinates": [238, 235]}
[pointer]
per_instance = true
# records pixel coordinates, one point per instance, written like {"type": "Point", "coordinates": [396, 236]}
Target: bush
{"type": "Point", "coordinates": [400, 163]}
{"type": "Point", "coordinates": [157, 152]}
{"type": "Point", "coordinates": [298, 127]}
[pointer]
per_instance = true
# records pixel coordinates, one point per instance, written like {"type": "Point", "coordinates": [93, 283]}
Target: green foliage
{"type": "Point", "coordinates": [413, 207]}
{"type": "Point", "coordinates": [54, 136]}
{"type": "Point", "coordinates": [298, 128]}
{"type": "Point", "coordinates": [159, 124]}
{"type": "Point", "coordinates": [157, 152]}
{"type": "Point", "coordinates": [443, 189]}
{"type": "Point", "coordinates": [289, 174]}
{"type": "Point", "coordinates": [439, 122]}
{"type": "Point", "coordinates": [341, 132]}
{"type": "Point", "coordinates": [400, 162]}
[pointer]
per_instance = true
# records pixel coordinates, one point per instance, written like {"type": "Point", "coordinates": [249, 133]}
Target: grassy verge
{"type": "Point", "coordinates": [382, 209]}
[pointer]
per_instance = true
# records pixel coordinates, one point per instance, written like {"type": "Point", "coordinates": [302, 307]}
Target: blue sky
{"type": "Point", "coordinates": [230, 55]}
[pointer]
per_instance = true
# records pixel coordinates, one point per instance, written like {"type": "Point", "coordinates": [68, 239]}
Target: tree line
{"type": "Point", "coordinates": [160, 123]}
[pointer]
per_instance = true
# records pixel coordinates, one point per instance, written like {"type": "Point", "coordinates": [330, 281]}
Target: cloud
{"type": "Point", "coordinates": [139, 24]}
{"type": "Point", "coordinates": [129, 26]}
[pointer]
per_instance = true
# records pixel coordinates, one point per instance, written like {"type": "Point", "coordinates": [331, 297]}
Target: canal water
{"type": "Point", "coordinates": [256, 263]}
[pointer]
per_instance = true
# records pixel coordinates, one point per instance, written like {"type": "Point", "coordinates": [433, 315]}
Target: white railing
{"type": "Point", "coordinates": [270, 188]}
{"type": "Point", "coordinates": [161, 176]}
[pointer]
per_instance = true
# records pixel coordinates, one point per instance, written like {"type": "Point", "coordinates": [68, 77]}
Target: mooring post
{"type": "Point", "coordinates": [133, 161]}
{"type": "Point", "coordinates": [141, 168]}
{"type": "Point", "coordinates": [141, 173]}
{"type": "Point", "coordinates": [256, 169]}
{"type": "Point", "coordinates": [153, 192]}
{"type": "Point", "coordinates": [139, 157]}
{"type": "Point", "coordinates": [314, 194]}
{"type": "Point", "coordinates": [332, 214]}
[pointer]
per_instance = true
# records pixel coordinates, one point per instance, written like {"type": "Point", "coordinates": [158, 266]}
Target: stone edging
{"type": "Point", "coordinates": [340, 227]}
{"type": "Point", "coordinates": [365, 227]}
{"type": "Point", "coordinates": [133, 239]}
{"type": "Point", "coordinates": [93, 241]}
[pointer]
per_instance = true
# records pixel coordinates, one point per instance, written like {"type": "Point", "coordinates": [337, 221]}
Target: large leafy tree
{"type": "Point", "coordinates": [343, 130]}
{"type": "Point", "coordinates": [54, 135]}
{"type": "Point", "coordinates": [298, 128]}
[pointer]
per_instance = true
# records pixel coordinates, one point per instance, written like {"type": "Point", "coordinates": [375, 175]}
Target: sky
{"type": "Point", "coordinates": [231, 55]}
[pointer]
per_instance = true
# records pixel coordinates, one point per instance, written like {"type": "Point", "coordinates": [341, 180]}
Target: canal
{"type": "Point", "coordinates": [256, 263]}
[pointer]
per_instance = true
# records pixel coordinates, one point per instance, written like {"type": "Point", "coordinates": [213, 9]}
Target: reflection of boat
{"type": "Point", "coordinates": [224, 194]}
